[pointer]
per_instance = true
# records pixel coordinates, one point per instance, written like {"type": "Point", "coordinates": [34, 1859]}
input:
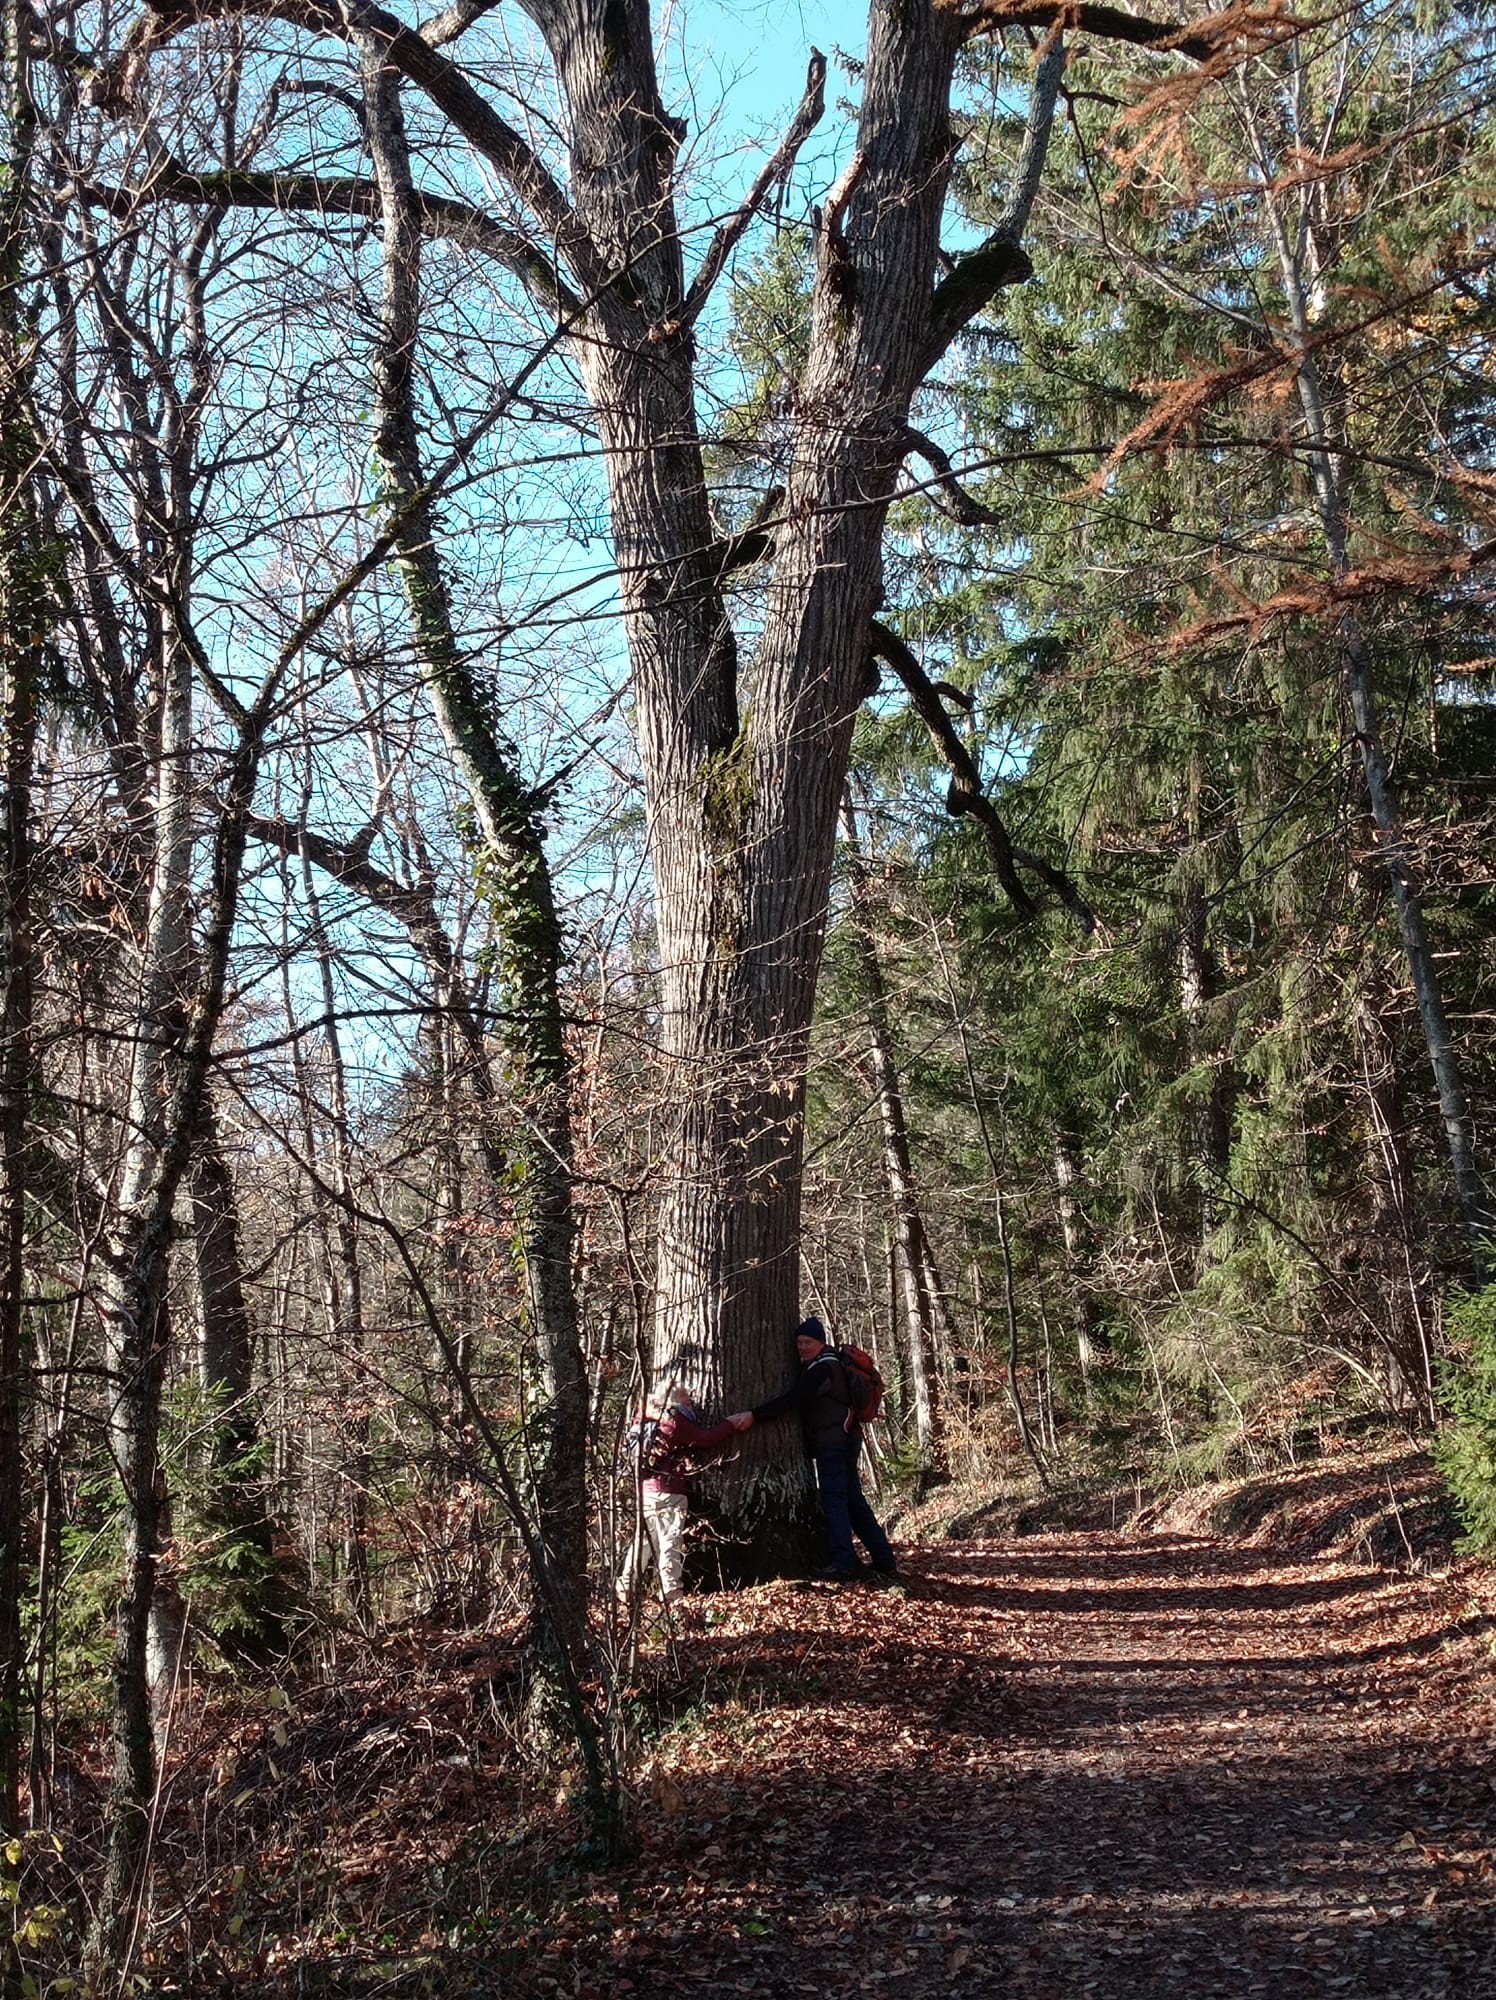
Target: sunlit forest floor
{"type": "Point", "coordinates": [1114, 1762]}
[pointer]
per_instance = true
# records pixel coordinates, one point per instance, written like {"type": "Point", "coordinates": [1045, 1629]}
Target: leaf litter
{"type": "Point", "coordinates": [1076, 1763]}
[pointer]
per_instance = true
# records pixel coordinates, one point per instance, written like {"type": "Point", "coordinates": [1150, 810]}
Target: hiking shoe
{"type": "Point", "coordinates": [830, 1574]}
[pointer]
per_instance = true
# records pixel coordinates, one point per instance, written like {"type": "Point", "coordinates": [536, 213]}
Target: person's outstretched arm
{"type": "Point", "coordinates": [795, 1397]}
{"type": "Point", "coordinates": [682, 1433]}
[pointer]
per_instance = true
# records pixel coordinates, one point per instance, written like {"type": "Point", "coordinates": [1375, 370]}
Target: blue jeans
{"type": "Point", "coordinates": [847, 1511]}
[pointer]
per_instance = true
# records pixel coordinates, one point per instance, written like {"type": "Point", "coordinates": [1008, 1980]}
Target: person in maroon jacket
{"type": "Point", "coordinates": [679, 1439]}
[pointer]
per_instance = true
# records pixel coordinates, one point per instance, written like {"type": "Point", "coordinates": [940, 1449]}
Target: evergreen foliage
{"type": "Point", "coordinates": [1144, 656]}
{"type": "Point", "coordinates": [1465, 1445]}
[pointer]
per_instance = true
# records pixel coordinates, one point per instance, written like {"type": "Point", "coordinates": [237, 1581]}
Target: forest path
{"type": "Point", "coordinates": [1079, 1764]}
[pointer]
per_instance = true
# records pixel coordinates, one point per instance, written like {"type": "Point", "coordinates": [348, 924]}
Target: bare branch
{"type": "Point", "coordinates": [755, 539]}
{"type": "Point", "coordinates": [440, 216]}
{"type": "Point", "coordinates": [950, 495]}
{"type": "Point", "coordinates": [1201, 41]}
{"type": "Point", "coordinates": [442, 81]}
{"type": "Point", "coordinates": [967, 795]}
{"type": "Point", "coordinates": [454, 21]}
{"type": "Point", "coordinates": [57, 47]}
{"type": "Point", "coordinates": [1001, 260]}
{"type": "Point", "coordinates": [724, 242]}
{"type": "Point", "coordinates": [836, 264]}
{"type": "Point", "coordinates": [350, 865]}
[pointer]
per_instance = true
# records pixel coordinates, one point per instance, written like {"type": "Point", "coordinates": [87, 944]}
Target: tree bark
{"type": "Point", "coordinates": [24, 606]}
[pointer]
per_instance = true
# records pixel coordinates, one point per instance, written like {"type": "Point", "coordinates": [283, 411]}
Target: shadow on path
{"type": "Point", "coordinates": [1081, 1767]}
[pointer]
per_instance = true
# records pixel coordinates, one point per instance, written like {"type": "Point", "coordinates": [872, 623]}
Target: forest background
{"type": "Point", "coordinates": [406, 1063]}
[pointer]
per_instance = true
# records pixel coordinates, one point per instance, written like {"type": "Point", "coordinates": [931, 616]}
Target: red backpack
{"type": "Point", "coordinates": [864, 1384]}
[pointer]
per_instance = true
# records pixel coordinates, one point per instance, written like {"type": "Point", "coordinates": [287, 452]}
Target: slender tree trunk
{"type": "Point", "coordinates": [1075, 1237]}
{"type": "Point", "coordinates": [54, 1432]}
{"type": "Point", "coordinates": [48, 1557]}
{"type": "Point", "coordinates": [1210, 1135]}
{"type": "Point", "coordinates": [24, 610]}
{"type": "Point", "coordinates": [1000, 1208]}
{"type": "Point", "coordinates": [1399, 1295]}
{"type": "Point", "coordinates": [170, 1052]}
{"type": "Point", "coordinates": [514, 872]}
{"type": "Point", "coordinates": [134, 1278]}
{"type": "Point", "coordinates": [226, 1371]}
{"type": "Point", "coordinates": [343, 1279]}
{"type": "Point", "coordinates": [166, 1634]}
{"type": "Point", "coordinates": [1328, 471]}
{"type": "Point", "coordinates": [226, 1350]}
{"type": "Point", "coordinates": [915, 1260]}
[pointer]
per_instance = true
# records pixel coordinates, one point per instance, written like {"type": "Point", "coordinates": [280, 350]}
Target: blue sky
{"type": "Point", "coordinates": [736, 70]}
{"type": "Point", "coordinates": [757, 49]}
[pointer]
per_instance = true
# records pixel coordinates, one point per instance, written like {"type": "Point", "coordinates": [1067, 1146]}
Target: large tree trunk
{"type": "Point", "coordinates": [743, 804]}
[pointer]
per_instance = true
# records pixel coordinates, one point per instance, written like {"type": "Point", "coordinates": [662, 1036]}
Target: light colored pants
{"type": "Point", "coordinates": [665, 1522]}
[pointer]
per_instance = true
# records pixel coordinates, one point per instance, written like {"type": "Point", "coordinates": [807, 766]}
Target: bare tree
{"type": "Point", "coordinates": [25, 607]}
{"type": "Point", "coordinates": [744, 751]}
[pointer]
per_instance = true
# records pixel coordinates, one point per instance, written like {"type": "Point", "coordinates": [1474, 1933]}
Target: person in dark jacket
{"type": "Point", "coordinates": [833, 1437]}
{"type": "Point", "coordinates": [665, 1497]}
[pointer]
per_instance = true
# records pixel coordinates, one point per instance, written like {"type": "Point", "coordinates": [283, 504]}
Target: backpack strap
{"type": "Point", "coordinates": [829, 1353]}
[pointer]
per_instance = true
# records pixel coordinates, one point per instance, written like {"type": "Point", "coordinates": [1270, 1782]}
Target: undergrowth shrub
{"type": "Point", "coordinates": [1465, 1447]}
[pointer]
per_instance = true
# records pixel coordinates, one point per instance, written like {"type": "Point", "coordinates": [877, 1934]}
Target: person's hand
{"type": "Point", "coordinates": [741, 1420]}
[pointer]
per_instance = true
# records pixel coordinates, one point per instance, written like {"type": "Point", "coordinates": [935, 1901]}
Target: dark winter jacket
{"type": "Point", "coordinates": [822, 1396]}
